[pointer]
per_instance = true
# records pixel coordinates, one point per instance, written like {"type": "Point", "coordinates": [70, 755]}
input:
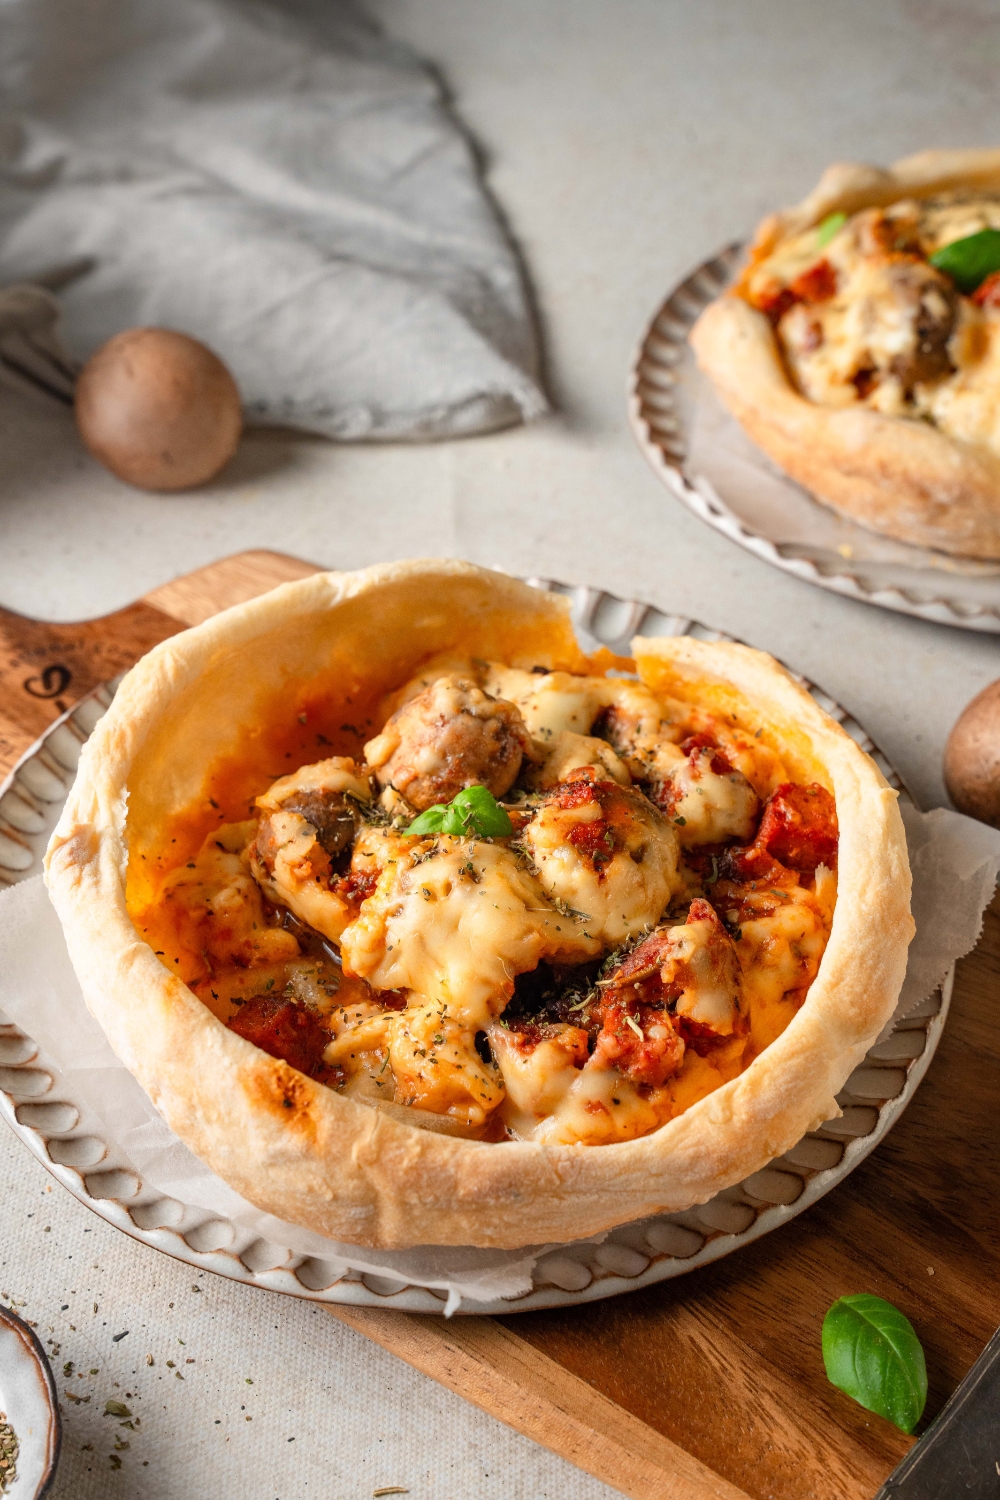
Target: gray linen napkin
{"type": "Point", "coordinates": [278, 180]}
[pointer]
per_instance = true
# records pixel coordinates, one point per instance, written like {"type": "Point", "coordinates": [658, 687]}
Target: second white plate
{"type": "Point", "coordinates": [708, 462]}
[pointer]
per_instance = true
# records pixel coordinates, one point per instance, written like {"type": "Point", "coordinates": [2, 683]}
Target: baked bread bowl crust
{"type": "Point", "coordinates": [344, 1169]}
{"type": "Point", "coordinates": [896, 475]}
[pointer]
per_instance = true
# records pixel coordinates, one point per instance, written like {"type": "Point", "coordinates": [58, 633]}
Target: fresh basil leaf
{"type": "Point", "coordinates": [968, 262]}
{"type": "Point", "coordinates": [474, 811]}
{"type": "Point", "coordinates": [829, 226]}
{"type": "Point", "coordinates": [871, 1351]}
{"type": "Point", "coordinates": [482, 813]}
{"type": "Point", "coordinates": [454, 822]}
{"type": "Point", "coordinates": [430, 821]}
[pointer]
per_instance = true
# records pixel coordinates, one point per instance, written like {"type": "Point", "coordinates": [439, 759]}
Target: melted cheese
{"type": "Point", "coordinates": [550, 703]}
{"type": "Point", "coordinates": [361, 1033]}
{"type": "Point", "coordinates": [569, 752]}
{"type": "Point", "coordinates": [968, 405]}
{"type": "Point", "coordinates": [597, 1108]}
{"type": "Point", "coordinates": [300, 876]}
{"type": "Point", "coordinates": [455, 920]}
{"type": "Point", "coordinates": [780, 953]}
{"type": "Point", "coordinates": [210, 914]}
{"type": "Point", "coordinates": [762, 766]}
{"type": "Point", "coordinates": [630, 893]}
{"type": "Point", "coordinates": [338, 774]}
{"type": "Point", "coordinates": [863, 326]}
{"type": "Point", "coordinates": [436, 1065]}
{"type": "Point", "coordinates": [710, 995]}
{"type": "Point", "coordinates": [709, 808]}
{"type": "Point", "coordinates": [559, 703]}
{"type": "Point", "coordinates": [860, 328]}
{"type": "Point", "coordinates": [647, 729]}
{"type": "Point", "coordinates": [537, 1078]}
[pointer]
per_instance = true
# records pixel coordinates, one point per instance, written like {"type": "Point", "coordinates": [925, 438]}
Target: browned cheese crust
{"type": "Point", "coordinates": [893, 473]}
{"type": "Point", "coordinates": [312, 1156]}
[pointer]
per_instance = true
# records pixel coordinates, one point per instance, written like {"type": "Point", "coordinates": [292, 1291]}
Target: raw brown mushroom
{"type": "Point", "coordinates": [158, 409]}
{"type": "Point", "coordinates": [972, 758]}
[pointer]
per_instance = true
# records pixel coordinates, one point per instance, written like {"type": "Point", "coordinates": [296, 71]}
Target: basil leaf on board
{"type": "Point", "coordinates": [829, 226]}
{"type": "Point", "coordinates": [968, 262]}
{"type": "Point", "coordinates": [474, 811]}
{"type": "Point", "coordinates": [872, 1353]}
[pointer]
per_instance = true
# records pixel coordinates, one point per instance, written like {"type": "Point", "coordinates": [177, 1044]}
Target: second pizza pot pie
{"type": "Point", "coordinates": [860, 347]}
{"type": "Point", "coordinates": [422, 927]}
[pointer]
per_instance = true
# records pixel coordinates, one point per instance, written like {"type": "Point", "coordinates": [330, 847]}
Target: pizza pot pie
{"type": "Point", "coordinates": [421, 926]}
{"type": "Point", "coordinates": [860, 347]}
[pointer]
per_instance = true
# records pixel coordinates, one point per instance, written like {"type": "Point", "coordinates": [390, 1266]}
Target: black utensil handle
{"type": "Point", "coordinates": [959, 1454]}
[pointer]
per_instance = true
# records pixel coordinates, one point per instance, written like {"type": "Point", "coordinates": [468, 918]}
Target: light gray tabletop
{"type": "Point", "coordinates": [625, 139]}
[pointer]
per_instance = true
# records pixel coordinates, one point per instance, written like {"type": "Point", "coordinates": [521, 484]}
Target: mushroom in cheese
{"type": "Point", "coordinates": [450, 736]}
{"type": "Point", "coordinates": [640, 729]}
{"type": "Point", "coordinates": [886, 331]}
{"type": "Point", "coordinates": [690, 972]}
{"type": "Point", "coordinates": [603, 850]}
{"type": "Point", "coordinates": [643, 730]}
{"type": "Point", "coordinates": [328, 794]}
{"type": "Point", "coordinates": [707, 799]}
{"type": "Point", "coordinates": [309, 821]}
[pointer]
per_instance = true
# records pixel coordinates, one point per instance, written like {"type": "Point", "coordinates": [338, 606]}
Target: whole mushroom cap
{"type": "Point", "coordinates": [972, 758]}
{"type": "Point", "coordinates": [158, 409]}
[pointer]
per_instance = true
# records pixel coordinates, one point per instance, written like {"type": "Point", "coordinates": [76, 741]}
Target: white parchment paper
{"type": "Point", "coordinates": [955, 864]}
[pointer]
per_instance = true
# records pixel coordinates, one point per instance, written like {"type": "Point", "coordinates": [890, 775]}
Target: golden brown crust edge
{"type": "Point", "coordinates": [315, 1158]}
{"type": "Point", "coordinates": [848, 187]}
{"type": "Point", "coordinates": [897, 476]}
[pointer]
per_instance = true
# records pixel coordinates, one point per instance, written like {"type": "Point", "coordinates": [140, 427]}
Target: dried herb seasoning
{"type": "Point", "coordinates": [9, 1447]}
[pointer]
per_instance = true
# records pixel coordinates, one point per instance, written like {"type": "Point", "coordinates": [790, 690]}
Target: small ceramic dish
{"type": "Point", "coordinates": [28, 1404]}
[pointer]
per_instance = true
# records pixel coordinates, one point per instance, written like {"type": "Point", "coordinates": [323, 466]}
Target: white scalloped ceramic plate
{"type": "Point", "coordinates": [71, 1142]}
{"type": "Point", "coordinates": [707, 461]}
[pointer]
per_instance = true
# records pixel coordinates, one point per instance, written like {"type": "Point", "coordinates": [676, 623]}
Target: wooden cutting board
{"type": "Point", "coordinates": [711, 1385]}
